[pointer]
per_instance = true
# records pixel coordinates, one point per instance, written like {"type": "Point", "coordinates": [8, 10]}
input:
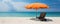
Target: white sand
{"type": "Point", "coordinates": [26, 20]}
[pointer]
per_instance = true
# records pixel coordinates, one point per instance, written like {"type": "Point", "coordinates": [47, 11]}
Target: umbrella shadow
{"type": "Point", "coordinates": [36, 19]}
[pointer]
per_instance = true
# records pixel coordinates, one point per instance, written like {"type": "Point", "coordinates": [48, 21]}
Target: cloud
{"type": "Point", "coordinates": [10, 6]}
{"type": "Point", "coordinates": [3, 7]}
{"type": "Point", "coordinates": [20, 7]}
{"type": "Point", "coordinates": [0, 0]}
{"type": "Point", "coordinates": [6, 0]}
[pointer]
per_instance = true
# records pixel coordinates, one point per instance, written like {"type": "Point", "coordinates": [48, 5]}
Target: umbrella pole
{"type": "Point", "coordinates": [36, 13]}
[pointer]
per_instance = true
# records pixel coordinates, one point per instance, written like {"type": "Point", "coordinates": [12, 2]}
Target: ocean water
{"type": "Point", "coordinates": [28, 14]}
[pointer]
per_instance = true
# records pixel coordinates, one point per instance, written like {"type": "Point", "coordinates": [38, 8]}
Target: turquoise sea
{"type": "Point", "coordinates": [28, 14]}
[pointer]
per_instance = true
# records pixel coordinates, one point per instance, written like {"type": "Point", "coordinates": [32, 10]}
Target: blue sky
{"type": "Point", "coordinates": [19, 5]}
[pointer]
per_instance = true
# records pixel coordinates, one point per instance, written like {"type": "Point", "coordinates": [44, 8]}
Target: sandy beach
{"type": "Point", "coordinates": [26, 20]}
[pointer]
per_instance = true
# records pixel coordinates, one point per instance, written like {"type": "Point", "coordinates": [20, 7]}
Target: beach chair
{"type": "Point", "coordinates": [42, 16]}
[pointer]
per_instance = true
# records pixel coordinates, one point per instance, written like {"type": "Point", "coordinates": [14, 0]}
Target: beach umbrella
{"type": "Point", "coordinates": [36, 6]}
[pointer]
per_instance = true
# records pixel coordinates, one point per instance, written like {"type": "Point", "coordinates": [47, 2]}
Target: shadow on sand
{"type": "Point", "coordinates": [36, 19]}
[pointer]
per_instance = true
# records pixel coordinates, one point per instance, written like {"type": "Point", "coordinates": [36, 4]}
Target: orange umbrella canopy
{"type": "Point", "coordinates": [36, 6]}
